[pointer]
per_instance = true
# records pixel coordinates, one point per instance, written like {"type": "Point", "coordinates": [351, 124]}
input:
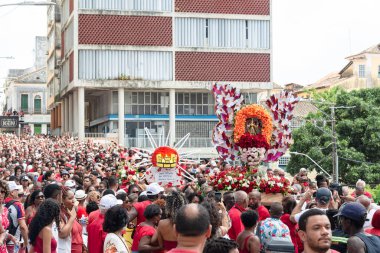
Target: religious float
{"type": "Point", "coordinates": [252, 134]}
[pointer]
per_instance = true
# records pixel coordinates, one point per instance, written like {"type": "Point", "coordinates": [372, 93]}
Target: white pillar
{"type": "Point", "coordinates": [71, 116]}
{"type": "Point", "coordinates": [75, 112]}
{"type": "Point", "coordinates": [81, 115]}
{"type": "Point", "coordinates": [44, 129]}
{"type": "Point", "coordinates": [172, 117]}
{"type": "Point", "coordinates": [121, 126]}
{"type": "Point", "coordinates": [66, 120]}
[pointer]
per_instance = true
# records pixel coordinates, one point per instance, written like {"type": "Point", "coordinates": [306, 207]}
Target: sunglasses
{"type": "Point", "coordinates": [3, 192]}
{"type": "Point", "coordinates": [135, 192]}
{"type": "Point", "coordinates": [108, 170]}
{"type": "Point", "coordinates": [40, 197]}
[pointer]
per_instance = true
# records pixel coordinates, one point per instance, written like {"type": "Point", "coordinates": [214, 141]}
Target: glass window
{"type": "Point", "coordinates": [134, 97]}
{"type": "Point", "coordinates": [147, 97]}
{"type": "Point", "coordinates": [180, 98]}
{"type": "Point", "coordinates": [141, 98]}
{"type": "Point", "coordinates": [199, 98]}
{"type": "Point", "coordinates": [193, 98]}
{"type": "Point", "coordinates": [154, 98]}
{"type": "Point", "coordinates": [361, 70]}
{"type": "Point", "coordinates": [378, 71]}
{"type": "Point", "coordinates": [24, 102]}
{"type": "Point", "coordinates": [205, 98]}
{"type": "Point", "coordinates": [186, 98]}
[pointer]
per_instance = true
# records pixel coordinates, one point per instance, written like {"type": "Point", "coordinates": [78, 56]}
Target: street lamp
{"type": "Point", "coordinates": [29, 3]}
{"type": "Point", "coordinates": [298, 153]}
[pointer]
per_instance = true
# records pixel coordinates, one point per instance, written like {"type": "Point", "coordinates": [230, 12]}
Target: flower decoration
{"type": "Point", "coordinates": [232, 179]}
{"type": "Point", "coordinates": [253, 111]}
{"type": "Point", "coordinates": [248, 140]}
{"type": "Point", "coordinates": [274, 185]}
{"type": "Point", "coordinates": [281, 106]}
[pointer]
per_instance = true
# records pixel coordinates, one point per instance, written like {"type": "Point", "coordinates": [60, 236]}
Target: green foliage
{"type": "Point", "coordinates": [375, 192]}
{"type": "Point", "coordinates": [358, 135]}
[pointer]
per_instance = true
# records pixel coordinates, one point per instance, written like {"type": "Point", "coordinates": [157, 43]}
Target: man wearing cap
{"type": "Point", "coordinates": [352, 217]}
{"type": "Point", "coordinates": [17, 217]}
{"type": "Point", "coordinates": [25, 184]}
{"type": "Point", "coordinates": [96, 235]}
{"type": "Point", "coordinates": [153, 192]}
{"type": "Point", "coordinates": [64, 176]}
{"type": "Point", "coordinates": [323, 198]}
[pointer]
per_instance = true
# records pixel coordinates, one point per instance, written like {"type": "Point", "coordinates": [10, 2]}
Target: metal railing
{"type": "Point", "coordinates": [192, 142]}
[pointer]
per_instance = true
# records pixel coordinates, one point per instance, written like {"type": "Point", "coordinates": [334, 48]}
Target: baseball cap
{"type": "Point", "coordinates": [120, 191]}
{"type": "Point", "coordinates": [70, 183]}
{"type": "Point", "coordinates": [13, 186]}
{"type": "Point", "coordinates": [323, 195]}
{"type": "Point", "coordinates": [153, 189]}
{"type": "Point", "coordinates": [64, 172]}
{"type": "Point", "coordinates": [25, 178]}
{"type": "Point", "coordinates": [108, 201]}
{"type": "Point", "coordinates": [80, 195]}
{"type": "Point", "coordinates": [353, 211]}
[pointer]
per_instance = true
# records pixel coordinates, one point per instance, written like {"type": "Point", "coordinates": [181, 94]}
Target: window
{"type": "Point", "coordinates": [283, 161]}
{"type": "Point", "coordinates": [206, 28]}
{"type": "Point", "coordinates": [194, 104]}
{"type": "Point", "coordinates": [146, 103]}
{"type": "Point", "coordinates": [250, 98]}
{"type": "Point", "coordinates": [24, 102]}
{"type": "Point", "coordinates": [37, 104]}
{"type": "Point", "coordinates": [378, 71]}
{"type": "Point", "coordinates": [361, 71]}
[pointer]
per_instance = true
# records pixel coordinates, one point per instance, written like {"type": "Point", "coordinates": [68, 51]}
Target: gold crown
{"type": "Point", "coordinates": [167, 161]}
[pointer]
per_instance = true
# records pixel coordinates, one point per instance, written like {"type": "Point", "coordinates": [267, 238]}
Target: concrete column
{"type": "Point", "coordinates": [81, 115]}
{"type": "Point", "coordinates": [75, 112]}
{"type": "Point", "coordinates": [44, 129]}
{"type": "Point", "coordinates": [62, 116]}
{"type": "Point", "coordinates": [71, 109]}
{"type": "Point", "coordinates": [110, 102]}
{"type": "Point", "coordinates": [172, 116]}
{"type": "Point", "coordinates": [66, 121]}
{"type": "Point", "coordinates": [52, 120]}
{"type": "Point", "coordinates": [121, 116]}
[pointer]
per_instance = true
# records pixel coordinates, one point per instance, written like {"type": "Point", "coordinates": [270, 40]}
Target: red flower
{"type": "Point", "coordinates": [248, 140]}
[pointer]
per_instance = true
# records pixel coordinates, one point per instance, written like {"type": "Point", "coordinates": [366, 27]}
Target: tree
{"type": "Point", "coordinates": [358, 136]}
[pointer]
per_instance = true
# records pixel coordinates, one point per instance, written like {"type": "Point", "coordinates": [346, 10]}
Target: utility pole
{"type": "Point", "coordinates": [335, 158]}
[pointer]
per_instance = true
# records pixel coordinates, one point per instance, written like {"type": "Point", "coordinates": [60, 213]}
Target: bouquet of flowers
{"type": "Point", "coordinates": [232, 179]}
{"type": "Point", "coordinates": [274, 185]}
{"type": "Point", "coordinates": [128, 174]}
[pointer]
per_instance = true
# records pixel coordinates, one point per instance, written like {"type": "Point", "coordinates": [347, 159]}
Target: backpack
{"type": "Point", "coordinates": [12, 228]}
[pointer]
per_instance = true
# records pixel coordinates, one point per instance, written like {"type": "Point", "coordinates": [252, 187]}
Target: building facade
{"type": "Point", "coordinates": [53, 63]}
{"type": "Point", "coordinates": [131, 64]}
{"type": "Point", "coordinates": [25, 92]}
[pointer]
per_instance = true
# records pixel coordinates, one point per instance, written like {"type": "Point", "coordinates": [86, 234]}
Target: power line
{"type": "Point", "coordinates": [357, 161]}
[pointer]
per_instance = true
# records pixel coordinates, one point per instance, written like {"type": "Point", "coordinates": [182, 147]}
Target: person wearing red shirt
{"type": "Point", "coordinates": [153, 192]}
{"type": "Point", "coordinates": [96, 235]}
{"type": "Point", "coordinates": [192, 225]}
{"type": "Point", "coordinates": [241, 204]}
{"type": "Point", "coordinates": [255, 204]}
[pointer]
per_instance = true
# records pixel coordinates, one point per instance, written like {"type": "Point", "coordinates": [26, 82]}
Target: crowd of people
{"type": "Point", "coordinates": [58, 194]}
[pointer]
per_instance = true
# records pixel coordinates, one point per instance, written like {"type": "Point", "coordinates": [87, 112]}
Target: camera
{"type": "Point", "coordinates": [336, 187]}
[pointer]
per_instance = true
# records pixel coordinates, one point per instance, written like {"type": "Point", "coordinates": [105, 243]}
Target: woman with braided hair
{"type": "Point", "coordinates": [40, 228]}
{"type": "Point", "coordinates": [166, 234]}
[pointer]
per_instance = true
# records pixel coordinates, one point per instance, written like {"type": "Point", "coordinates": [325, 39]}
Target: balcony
{"type": "Point", "coordinates": [33, 111]}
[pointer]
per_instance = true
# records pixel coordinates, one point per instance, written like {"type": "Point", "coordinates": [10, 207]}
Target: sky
{"type": "Point", "coordinates": [311, 38]}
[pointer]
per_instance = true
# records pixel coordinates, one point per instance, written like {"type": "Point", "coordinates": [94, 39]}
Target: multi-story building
{"type": "Point", "coordinates": [25, 91]}
{"type": "Point", "coordinates": [131, 64]}
{"type": "Point", "coordinates": [53, 64]}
